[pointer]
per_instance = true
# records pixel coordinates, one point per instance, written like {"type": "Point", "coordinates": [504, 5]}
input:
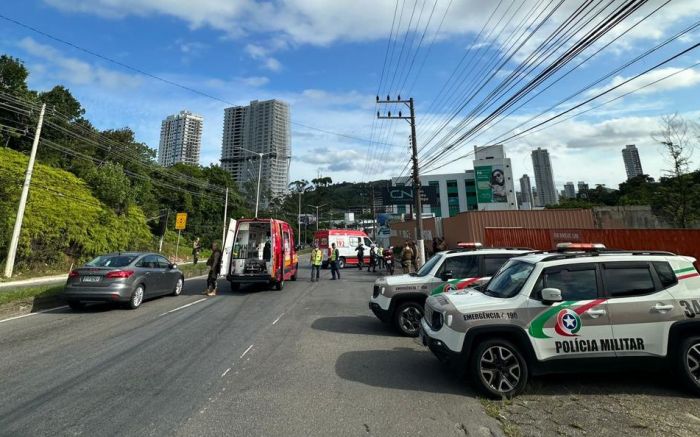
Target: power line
{"type": "Point", "coordinates": [153, 76]}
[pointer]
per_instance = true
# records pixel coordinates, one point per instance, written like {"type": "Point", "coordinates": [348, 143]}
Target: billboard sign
{"type": "Point", "coordinates": [491, 184]}
{"type": "Point", "coordinates": [404, 196]}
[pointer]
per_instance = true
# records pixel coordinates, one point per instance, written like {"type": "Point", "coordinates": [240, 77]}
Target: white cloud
{"type": "Point", "coordinates": [75, 71]}
{"type": "Point", "coordinates": [254, 81]}
{"type": "Point", "coordinates": [676, 79]}
{"type": "Point", "coordinates": [262, 54]}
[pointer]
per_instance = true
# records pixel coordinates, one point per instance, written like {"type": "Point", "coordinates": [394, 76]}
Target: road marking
{"type": "Point", "coordinates": [34, 314]}
{"type": "Point", "coordinates": [184, 306]}
{"type": "Point", "coordinates": [227, 370]}
{"type": "Point", "coordinates": [247, 350]}
{"type": "Point", "coordinates": [278, 319]}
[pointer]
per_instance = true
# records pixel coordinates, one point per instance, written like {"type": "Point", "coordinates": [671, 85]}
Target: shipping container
{"type": "Point", "coordinates": [678, 241]}
{"type": "Point", "coordinates": [470, 226]}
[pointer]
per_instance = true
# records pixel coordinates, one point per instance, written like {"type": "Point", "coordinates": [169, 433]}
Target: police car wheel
{"type": "Point", "coordinates": [407, 318]}
{"type": "Point", "coordinates": [690, 363]}
{"type": "Point", "coordinates": [498, 369]}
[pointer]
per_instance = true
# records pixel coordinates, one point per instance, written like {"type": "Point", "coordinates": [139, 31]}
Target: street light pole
{"type": "Point", "coordinates": [260, 157]}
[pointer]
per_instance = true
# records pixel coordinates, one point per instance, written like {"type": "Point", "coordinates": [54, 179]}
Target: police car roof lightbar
{"type": "Point", "coordinates": [472, 245]}
{"type": "Point", "coordinates": [562, 247]}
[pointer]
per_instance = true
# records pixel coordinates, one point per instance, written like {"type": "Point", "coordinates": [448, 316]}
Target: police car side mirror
{"type": "Point", "coordinates": [446, 276]}
{"type": "Point", "coordinates": [551, 295]}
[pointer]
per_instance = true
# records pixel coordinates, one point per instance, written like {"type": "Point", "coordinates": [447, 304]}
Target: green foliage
{"type": "Point", "coordinates": [111, 185]}
{"type": "Point", "coordinates": [63, 220]}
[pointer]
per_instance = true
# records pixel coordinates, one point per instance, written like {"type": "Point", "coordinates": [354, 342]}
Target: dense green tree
{"type": "Point", "coordinates": [112, 186]}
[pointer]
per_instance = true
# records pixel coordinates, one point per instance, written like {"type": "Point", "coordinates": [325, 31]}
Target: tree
{"type": "Point", "coordinates": [681, 197]}
{"type": "Point", "coordinates": [14, 121]}
{"type": "Point", "coordinates": [112, 186]}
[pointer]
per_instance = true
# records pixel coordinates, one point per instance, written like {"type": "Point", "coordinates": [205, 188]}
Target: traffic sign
{"type": "Point", "coordinates": [180, 221]}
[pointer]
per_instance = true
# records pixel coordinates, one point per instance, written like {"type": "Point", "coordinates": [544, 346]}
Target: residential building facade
{"type": "Point", "coordinates": [494, 179]}
{"type": "Point", "coordinates": [569, 190]}
{"type": "Point", "coordinates": [261, 127]}
{"type": "Point", "coordinates": [544, 178]}
{"type": "Point", "coordinates": [633, 165]}
{"type": "Point", "coordinates": [180, 139]}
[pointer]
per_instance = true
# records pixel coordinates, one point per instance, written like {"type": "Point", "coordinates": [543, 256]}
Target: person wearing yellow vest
{"type": "Point", "coordinates": [333, 259]}
{"type": "Point", "coordinates": [316, 259]}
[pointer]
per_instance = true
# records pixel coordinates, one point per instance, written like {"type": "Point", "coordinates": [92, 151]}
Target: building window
{"type": "Point", "coordinates": [437, 210]}
{"type": "Point", "coordinates": [452, 198]}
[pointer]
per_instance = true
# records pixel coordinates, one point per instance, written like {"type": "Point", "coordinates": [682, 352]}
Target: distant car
{"type": "Point", "coordinates": [126, 277]}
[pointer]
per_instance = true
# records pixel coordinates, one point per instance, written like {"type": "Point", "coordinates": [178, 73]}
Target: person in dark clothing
{"type": "Point", "coordinates": [435, 245]}
{"type": "Point", "coordinates": [267, 249]}
{"type": "Point", "coordinates": [360, 255]}
{"type": "Point", "coordinates": [214, 263]}
{"type": "Point", "coordinates": [372, 259]}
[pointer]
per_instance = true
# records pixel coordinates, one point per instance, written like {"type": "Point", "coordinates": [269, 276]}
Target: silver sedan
{"type": "Point", "coordinates": [125, 277]}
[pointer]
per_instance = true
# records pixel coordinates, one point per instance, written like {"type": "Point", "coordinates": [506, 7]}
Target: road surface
{"type": "Point", "coordinates": [308, 360]}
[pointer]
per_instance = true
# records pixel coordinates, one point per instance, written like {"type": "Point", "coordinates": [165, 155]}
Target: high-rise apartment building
{"type": "Point", "coordinates": [526, 193]}
{"type": "Point", "coordinates": [544, 178]}
{"type": "Point", "coordinates": [180, 139]}
{"type": "Point", "coordinates": [261, 127]}
{"type": "Point", "coordinates": [633, 166]}
{"type": "Point", "coordinates": [570, 190]}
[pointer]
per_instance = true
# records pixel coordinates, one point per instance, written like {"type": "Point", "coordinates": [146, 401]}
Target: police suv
{"type": "Point", "coordinates": [552, 312]}
{"type": "Point", "coordinates": [400, 299]}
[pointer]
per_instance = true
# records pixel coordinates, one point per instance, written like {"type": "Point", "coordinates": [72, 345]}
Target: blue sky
{"type": "Point", "coordinates": [325, 58]}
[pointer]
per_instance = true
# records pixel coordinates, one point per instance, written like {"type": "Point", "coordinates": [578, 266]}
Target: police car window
{"type": "Point", "coordinates": [462, 266]}
{"type": "Point", "coordinates": [574, 284]}
{"type": "Point", "coordinates": [628, 281]}
{"type": "Point", "coordinates": [493, 263]}
{"type": "Point", "coordinates": [665, 274]}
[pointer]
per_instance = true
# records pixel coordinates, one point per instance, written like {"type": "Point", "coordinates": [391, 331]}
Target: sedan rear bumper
{"type": "Point", "coordinates": [113, 293]}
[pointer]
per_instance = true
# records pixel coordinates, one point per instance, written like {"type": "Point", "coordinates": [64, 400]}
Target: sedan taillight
{"type": "Point", "coordinates": [119, 274]}
{"type": "Point", "coordinates": [73, 274]}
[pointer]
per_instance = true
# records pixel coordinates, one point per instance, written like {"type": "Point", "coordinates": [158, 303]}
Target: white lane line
{"type": "Point", "coordinates": [227, 370]}
{"type": "Point", "coordinates": [184, 306]}
{"type": "Point", "coordinates": [247, 350]}
{"type": "Point", "coordinates": [34, 314]}
{"type": "Point", "coordinates": [278, 319]}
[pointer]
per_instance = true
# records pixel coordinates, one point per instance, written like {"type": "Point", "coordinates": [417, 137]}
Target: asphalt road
{"type": "Point", "coordinates": [308, 360]}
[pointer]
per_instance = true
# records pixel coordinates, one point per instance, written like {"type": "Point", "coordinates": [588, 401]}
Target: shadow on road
{"type": "Point", "coordinates": [362, 325]}
{"type": "Point", "coordinates": [402, 369]}
{"type": "Point", "coordinates": [634, 382]}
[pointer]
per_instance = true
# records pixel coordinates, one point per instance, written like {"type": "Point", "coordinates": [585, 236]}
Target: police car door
{"type": "Point", "coordinates": [641, 308]}
{"type": "Point", "coordinates": [579, 324]}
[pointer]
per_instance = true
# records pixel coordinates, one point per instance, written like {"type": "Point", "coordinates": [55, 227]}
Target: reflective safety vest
{"type": "Point", "coordinates": [316, 257]}
{"type": "Point", "coordinates": [334, 255]}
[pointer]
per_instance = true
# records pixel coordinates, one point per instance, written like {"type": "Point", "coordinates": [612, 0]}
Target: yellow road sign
{"type": "Point", "coordinates": [180, 221]}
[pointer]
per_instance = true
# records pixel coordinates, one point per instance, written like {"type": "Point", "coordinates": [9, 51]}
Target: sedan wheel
{"type": "Point", "coordinates": [136, 298]}
{"type": "Point", "coordinates": [178, 287]}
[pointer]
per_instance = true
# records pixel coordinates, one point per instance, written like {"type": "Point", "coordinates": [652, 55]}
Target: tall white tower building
{"type": "Point", "coordinates": [180, 139]}
{"type": "Point", "coordinates": [633, 165]}
{"type": "Point", "coordinates": [261, 127]}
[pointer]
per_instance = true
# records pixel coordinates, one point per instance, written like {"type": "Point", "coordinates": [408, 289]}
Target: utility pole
{"type": "Point", "coordinates": [223, 236]}
{"type": "Point", "coordinates": [12, 250]}
{"type": "Point", "coordinates": [374, 215]}
{"type": "Point", "coordinates": [299, 217]}
{"type": "Point", "coordinates": [414, 157]}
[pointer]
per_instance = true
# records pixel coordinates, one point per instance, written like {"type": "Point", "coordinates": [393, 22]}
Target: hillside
{"type": "Point", "coordinates": [63, 222]}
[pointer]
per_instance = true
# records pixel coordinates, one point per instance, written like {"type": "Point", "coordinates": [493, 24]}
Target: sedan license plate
{"type": "Point", "coordinates": [91, 278]}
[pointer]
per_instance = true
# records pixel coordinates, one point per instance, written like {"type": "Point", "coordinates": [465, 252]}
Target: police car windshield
{"type": "Point", "coordinates": [509, 280]}
{"type": "Point", "coordinates": [428, 267]}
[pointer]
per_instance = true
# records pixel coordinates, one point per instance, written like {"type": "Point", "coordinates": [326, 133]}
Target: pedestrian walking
{"type": "Point", "coordinates": [360, 249]}
{"type": "Point", "coordinates": [380, 257]}
{"type": "Point", "coordinates": [196, 249]}
{"type": "Point", "coordinates": [406, 256]}
{"type": "Point", "coordinates": [333, 258]}
{"type": "Point", "coordinates": [316, 259]}
{"type": "Point", "coordinates": [372, 258]}
{"type": "Point", "coordinates": [214, 263]}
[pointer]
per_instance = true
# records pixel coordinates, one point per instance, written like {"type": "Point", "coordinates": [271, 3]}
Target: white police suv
{"type": "Point", "coordinates": [400, 299]}
{"type": "Point", "coordinates": [553, 312]}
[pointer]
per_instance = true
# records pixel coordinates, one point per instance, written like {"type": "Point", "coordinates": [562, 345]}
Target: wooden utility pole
{"type": "Point", "coordinates": [411, 118]}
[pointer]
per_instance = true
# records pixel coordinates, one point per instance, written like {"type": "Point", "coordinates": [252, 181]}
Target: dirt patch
{"type": "Point", "coordinates": [640, 404]}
